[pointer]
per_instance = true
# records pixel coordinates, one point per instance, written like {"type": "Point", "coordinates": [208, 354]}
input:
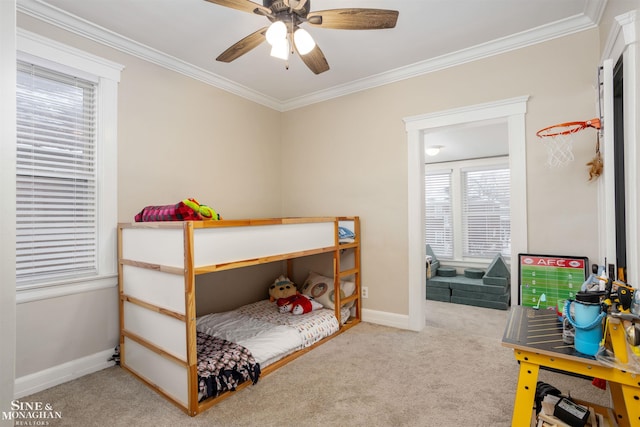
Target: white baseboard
{"type": "Point", "coordinates": [38, 381]}
{"type": "Point", "coordinates": [385, 318]}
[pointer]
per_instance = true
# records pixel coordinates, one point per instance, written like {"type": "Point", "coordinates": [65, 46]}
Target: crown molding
{"type": "Point", "coordinates": [54, 16]}
{"type": "Point", "coordinates": [624, 31]}
{"type": "Point", "coordinates": [541, 34]}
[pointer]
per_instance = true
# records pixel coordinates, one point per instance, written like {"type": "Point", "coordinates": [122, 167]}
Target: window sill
{"type": "Point", "coordinates": [483, 264]}
{"type": "Point", "coordinates": [68, 288]}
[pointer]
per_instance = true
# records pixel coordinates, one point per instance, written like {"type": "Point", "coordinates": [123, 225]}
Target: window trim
{"type": "Point", "coordinates": [622, 43]}
{"type": "Point", "coordinates": [57, 56]}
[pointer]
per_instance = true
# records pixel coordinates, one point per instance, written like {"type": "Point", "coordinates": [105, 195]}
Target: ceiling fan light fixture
{"type": "Point", "coordinates": [433, 150]}
{"type": "Point", "coordinates": [276, 32]}
{"type": "Point", "coordinates": [303, 40]}
{"type": "Point", "coordinates": [280, 49]}
{"type": "Point", "coordinates": [286, 16]}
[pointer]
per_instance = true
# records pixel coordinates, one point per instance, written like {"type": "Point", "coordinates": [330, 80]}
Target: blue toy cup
{"type": "Point", "coordinates": [587, 324]}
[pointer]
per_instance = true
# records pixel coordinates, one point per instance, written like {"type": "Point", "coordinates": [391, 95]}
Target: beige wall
{"type": "Point", "coordinates": [179, 137]}
{"type": "Point", "coordinates": [54, 331]}
{"type": "Point", "coordinates": [349, 155]}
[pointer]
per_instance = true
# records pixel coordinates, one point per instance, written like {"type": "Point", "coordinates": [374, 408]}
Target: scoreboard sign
{"type": "Point", "coordinates": [547, 281]}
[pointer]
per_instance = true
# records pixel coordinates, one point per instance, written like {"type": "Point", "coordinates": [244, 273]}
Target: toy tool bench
{"type": "Point", "coordinates": [532, 351]}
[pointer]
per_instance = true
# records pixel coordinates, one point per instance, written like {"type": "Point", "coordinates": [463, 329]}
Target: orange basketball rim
{"type": "Point", "coordinates": [568, 128]}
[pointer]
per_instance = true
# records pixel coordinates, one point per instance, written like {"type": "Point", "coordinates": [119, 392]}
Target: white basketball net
{"type": "Point", "coordinates": [559, 150]}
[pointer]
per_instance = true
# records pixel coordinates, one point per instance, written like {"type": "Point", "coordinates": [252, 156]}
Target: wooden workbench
{"type": "Point", "coordinates": [536, 339]}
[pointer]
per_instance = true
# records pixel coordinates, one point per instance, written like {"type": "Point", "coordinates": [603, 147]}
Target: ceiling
{"type": "Point", "coordinates": [474, 140]}
{"type": "Point", "coordinates": [187, 36]}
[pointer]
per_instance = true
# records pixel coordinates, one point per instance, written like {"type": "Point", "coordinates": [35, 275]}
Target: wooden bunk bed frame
{"type": "Point", "coordinates": [158, 263]}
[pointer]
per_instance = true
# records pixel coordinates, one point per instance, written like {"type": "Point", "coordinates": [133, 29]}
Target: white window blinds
{"type": "Point", "coordinates": [56, 176]}
{"type": "Point", "coordinates": [438, 213]}
{"type": "Point", "coordinates": [486, 213]}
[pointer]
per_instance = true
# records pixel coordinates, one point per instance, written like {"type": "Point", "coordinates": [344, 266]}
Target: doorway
{"type": "Point", "coordinates": [512, 112]}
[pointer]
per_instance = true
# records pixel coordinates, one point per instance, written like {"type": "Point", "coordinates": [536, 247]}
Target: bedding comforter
{"type": "Point", "coordinates": [223, 365]}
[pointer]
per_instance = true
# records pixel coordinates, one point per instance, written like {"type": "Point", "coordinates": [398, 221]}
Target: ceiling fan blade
{"type": "Point", "coordinates": [354, 19]}
{"type": "Point", "coordinates": [243, 46]}
{"type": "Point", "coordinates": [243, 5]}
{"type": "Point", "coordinates": [315, 60]}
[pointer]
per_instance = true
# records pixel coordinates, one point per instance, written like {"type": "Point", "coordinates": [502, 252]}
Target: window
{"type": "Point", "coordinates": [56, 193]}
{"type": "Point", "coordinates": [438, 213]}
{"type": "Point", "coordinates": [485, 213]}
{"type": "Point", "coordinates": [66, 210]}
{"type": "Point", "coordinates": [467, 214]}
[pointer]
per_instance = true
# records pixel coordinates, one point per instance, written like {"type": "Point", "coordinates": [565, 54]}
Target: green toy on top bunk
{"type": "Point", "coordinates": [185, 210]}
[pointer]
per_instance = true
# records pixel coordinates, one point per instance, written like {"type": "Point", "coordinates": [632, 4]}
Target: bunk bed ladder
{"type": "Point", "coordinates": [340, 274]}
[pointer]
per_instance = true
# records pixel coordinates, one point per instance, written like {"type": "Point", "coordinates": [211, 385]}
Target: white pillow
{"type": "Point", "coordinates": [320, 288]}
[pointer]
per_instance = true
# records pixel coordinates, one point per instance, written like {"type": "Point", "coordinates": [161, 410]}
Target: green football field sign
{"type": "Point", "coordinates": [547, 281]}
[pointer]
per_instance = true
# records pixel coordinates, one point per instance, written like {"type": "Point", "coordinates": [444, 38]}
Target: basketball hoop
{"type": "Point", "coordinates": [558, 140]}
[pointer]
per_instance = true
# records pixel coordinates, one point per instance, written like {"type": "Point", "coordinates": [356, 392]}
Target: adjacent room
{"type": "Point", "coordinates": [376, 188]}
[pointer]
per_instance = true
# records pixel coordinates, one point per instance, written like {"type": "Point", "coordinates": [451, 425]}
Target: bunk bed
{"type": "Point", "coordinates": [163, 343]}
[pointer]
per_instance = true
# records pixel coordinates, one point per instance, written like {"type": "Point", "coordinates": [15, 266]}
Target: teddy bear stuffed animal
{"type": "Point", "coordinates": [282, 287]}
{"type": "Point", "coordinates": [288, 299]}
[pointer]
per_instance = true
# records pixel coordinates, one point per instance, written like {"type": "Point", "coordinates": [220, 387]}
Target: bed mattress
{"type": "Point", "coordinates": [268, 334]}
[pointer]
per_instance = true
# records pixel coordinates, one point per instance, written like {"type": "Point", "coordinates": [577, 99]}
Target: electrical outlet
{"type": "Point", "coordinates": [365, 292]}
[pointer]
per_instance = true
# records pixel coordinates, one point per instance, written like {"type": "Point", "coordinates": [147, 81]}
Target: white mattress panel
{"type": "Point", "coordinates": [229, 244]}
{"type": "Point", "coordinates": [165, 290]}
{"type": "Point", "coordinates": [165, 332]}
{"type": "Point", "coordinates": [162, 246]}
{"type": "Point", "coordinates": [169, 376]}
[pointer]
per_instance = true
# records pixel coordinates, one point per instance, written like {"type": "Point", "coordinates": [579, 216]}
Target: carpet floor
{"type": "Point", "coordinates": [455, 372]}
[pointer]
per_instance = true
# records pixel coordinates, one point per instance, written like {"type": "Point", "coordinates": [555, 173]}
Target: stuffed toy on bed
{"type": "Point", "coordinates": [204, 211]}
{"type": "Point", "coordinates": [282, 287]}
{"type": "Point", "coordinates": [297, 304]}
{"type": "Point", "coordinates": [288, 299]}
{"type": "Point", "coordinates": [185, 210]}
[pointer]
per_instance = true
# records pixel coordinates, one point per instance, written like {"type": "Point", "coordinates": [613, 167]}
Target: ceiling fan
{"type": "Point", "coordinates": [285, 35]}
